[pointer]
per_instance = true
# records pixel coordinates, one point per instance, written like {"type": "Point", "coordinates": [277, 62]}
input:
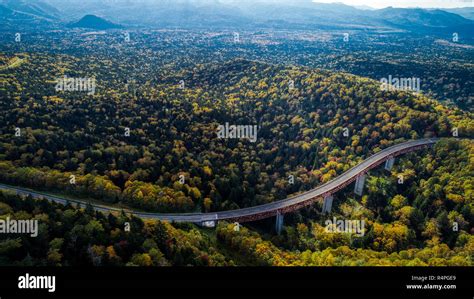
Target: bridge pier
{"type": "Point", "coordinates": [359, 186]}
{"type": "Point", "coordinates": [279, 222]}
{"type": "Point", "coordinates": [327, 204]}
{"type": "Point", "coordinates": [389, 164]}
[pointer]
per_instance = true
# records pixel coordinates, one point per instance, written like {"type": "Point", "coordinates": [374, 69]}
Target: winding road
{"type": "Point", "coordinates": [262, 211]}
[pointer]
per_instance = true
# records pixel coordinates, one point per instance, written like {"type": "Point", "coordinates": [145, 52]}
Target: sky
{"type": "Point", "coordinates": [406, 3]}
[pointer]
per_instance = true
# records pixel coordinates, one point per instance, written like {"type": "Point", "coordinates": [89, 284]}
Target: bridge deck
{"type": "Point", "coordinates": [267, 210]}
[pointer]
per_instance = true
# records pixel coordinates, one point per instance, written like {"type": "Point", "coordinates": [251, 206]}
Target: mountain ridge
{"type": "Point", "coordinates": [94, 22]}
{"type": "Point", "coordinates": [232, 14]}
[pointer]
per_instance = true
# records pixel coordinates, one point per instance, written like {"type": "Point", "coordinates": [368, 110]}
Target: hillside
{"type": "Point", "coordinates": [467, 12]}
{"type": "Point", "coordinates": [94, 22]}
{"type": "Point", "coordinates": [420, 17]}
{"type": "Point", "coordinates": [33, 8]}
{"type": "Point", "coordinates": [146, 136]}
{"type": "Point", "coordinates": [173, 133]}
{"type": "Point", "coordinates": [418, 232]}
{"type": "Point", "coordinates": [30, 17]}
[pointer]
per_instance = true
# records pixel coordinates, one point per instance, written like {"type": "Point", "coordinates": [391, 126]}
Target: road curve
{"type": "Point", "coordinates": [266, 210]}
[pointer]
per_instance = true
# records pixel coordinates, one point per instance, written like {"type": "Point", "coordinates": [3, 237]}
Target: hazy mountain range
{"type": "Point", "coordinates": [228, 14]}
{"type": "Point", "coordinates": [467, 12]}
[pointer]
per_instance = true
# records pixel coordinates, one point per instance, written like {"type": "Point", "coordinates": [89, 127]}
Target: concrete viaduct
{"type": "Point", "coordinates": [278, 208]}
